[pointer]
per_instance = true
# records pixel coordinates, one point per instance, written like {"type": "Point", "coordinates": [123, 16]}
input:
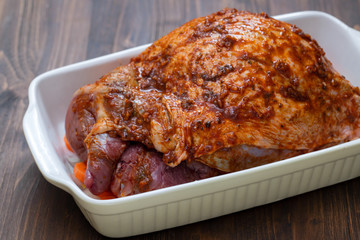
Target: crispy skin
{"type": "Point", "coordinates": [229, 84]}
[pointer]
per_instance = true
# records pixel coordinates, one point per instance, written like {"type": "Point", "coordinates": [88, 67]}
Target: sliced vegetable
{"type": "Point", "coordinates": [67, 144]}
{"type": "Point", "coordinates": [79, 171]}
{"type": "Point", "coordinates": [106, 195]}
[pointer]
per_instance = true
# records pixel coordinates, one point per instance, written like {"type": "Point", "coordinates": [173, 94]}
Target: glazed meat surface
{"type": "Point", "coordinates": [231, 90]}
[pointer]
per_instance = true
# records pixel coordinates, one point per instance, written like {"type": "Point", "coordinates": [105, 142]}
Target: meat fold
{"type": "Point", "coordinates": [231, 90]}
{"type": "Point", "coordinates": [141, 170]}
{"type": "Point", "coordinates": [104, 153]}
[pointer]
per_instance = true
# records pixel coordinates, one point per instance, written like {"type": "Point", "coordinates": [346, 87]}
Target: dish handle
{"type": "Point", "coordinates": [41, 150]}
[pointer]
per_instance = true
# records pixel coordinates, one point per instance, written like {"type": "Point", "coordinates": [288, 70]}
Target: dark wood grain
{"type": "Point", "coordinates": [40, 35]}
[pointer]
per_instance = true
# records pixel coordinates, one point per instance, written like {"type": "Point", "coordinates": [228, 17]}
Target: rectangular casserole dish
{"type": "Point", "coordinates": [43, 124]}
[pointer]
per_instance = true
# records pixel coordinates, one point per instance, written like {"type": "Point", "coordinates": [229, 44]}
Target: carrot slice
{"type": "Point", "coordinates": [67, 144]}
{"type": "Point", "coordinates": [79, 171]}
{"type": "Point", "coordinates": [106, 195]}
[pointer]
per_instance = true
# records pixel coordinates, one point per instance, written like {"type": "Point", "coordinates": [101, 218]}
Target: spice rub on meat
{"type": "Point", "coordinates": [229, 91]}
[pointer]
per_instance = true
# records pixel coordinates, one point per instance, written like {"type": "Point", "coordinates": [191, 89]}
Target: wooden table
{"type": "Point", "coordinates": [40, 35]}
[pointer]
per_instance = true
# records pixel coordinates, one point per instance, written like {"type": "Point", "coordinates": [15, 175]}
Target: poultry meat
{"type": "Point", "coordinates": [224, 92]}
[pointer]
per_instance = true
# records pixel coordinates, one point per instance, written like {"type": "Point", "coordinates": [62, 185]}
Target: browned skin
{"type": "Point", "coordinates": [223, 84]}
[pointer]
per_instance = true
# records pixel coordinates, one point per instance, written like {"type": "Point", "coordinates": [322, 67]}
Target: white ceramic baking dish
{"type": "Point", "coordinates": [43, 125]}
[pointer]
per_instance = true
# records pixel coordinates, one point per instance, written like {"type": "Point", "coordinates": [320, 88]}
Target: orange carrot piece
{"type": "Point", "coordinates": [67, 144]}
{"type": "Point", "coordinates": [79, 171]}
{"type": "Point", "coordinates": [106, 195]}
